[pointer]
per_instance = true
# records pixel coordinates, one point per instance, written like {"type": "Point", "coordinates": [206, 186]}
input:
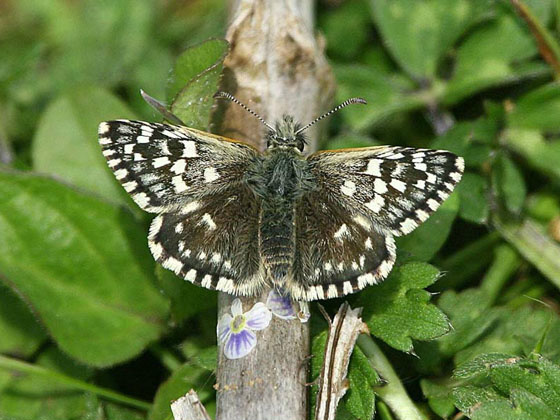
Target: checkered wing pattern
{"type": "Point", "coordinates": [164, 166]}
{"type": "Point", "coordinates": [207, 227]}
{"type": "Point", "coordinates": [365, 197]}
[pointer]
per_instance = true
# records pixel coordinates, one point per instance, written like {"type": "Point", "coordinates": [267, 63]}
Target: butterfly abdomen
{"type": "Point", "coordinates": [279, 187]}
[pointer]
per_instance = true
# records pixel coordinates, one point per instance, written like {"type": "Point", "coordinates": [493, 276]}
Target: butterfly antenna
{"type": "Point", "coordinates": [332, 111]}
{"type": "Point", "coordinates": [233, 99]}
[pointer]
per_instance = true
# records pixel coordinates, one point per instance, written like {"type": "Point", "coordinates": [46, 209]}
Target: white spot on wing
{"type": "Point", "coordinates": [206, 218]}
{"type": "Point", "coordinates": [210, 175]}
{"type": "Point", "coordinates": [398, 185]}
{"type": "Point", "coordinates": [376, 204]}
{"type": "Point", "coordinates": [341, 232]}
{"type": "Point", "coordinates": [348, 188]}
{"type": "Point", "coordinates": [191, 275]}
{"type": "Point", "coordinates": [190, 207]}
{"type": "Point", "coordinates": [179, 184]}
{"type": "Point", "coordinates": [374, 167]}
{"type": "Point", "coordinates": [142, 139]}
{"type": "Point", "coordinates": [189, 150]}
{"type": "Point", "coordinates": [121, 173]}
{"type": "Point", "coordinates": [179, 166]}
{"type": "Point", "coordinates": [379, 186]}
{"type": "Point", "coordinates": [103, 128]}
{"type": "Point", "coordinates": [160, 161]}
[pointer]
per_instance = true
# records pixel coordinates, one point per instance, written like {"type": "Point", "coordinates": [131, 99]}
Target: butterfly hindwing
{"type": "Point", "coordinates": [335, 255]}
{"type": "Point", "coordinates": [162, 166]}
{"type": "Point", "coordinates": [212, 242]}
{"type": "Point", "coordinates": [394, 188]}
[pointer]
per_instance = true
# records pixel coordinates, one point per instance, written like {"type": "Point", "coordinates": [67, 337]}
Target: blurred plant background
{"type": "Point", "coordinates": [91, 328]}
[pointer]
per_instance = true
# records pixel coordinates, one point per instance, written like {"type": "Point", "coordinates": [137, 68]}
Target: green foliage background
{"type": "Point", "coordinates": [91, 328]}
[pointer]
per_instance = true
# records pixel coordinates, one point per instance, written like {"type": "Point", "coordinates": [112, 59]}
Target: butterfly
{"type": "Point", "coordinates": [236, 220]}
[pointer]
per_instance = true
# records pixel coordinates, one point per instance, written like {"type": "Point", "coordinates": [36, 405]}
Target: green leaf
{"type": "Point", "coordinates": [418, 33]}
{"type": "Point", "coordinates": [513, 332]}
{"type": "Point", "coordinates": [474, 203]}
{"type": "Point", "coordinates": [387, 94]}
{"type": "Point", "coordinates": [471, 140]}
{"type": "Point", "coordinates": [490, 57]}
{"type": "Point", "coordinates": [66, 146]}
{"type": "Point", "coordinates": [509, 183]}
{"type": "Point", "coordinates": [398, 310]}
{"type": "Point", "coordinates": [20, 332]}
{"type": "Point", "coordinates": [360, 398]}
{"type": "Point", "coordinates": [532, 385]}
{"type": "Point", "coordinates": [535, 245]}
{"type": "Point", "coordinates": [182, 380]}
{"type": "Point", "coordinates": [334, 25]}
{"type": "Point", "coordinates": [186, 298]}
{"type": "Point", "coordinates": [195, 80]}
{"type": "Point", "coordinates": [82, 265]}
{"type": "Point", "coordinates": [350, 140]}
{"type": "Point", "coordinates": [536, 110]}
{"type": "Point", "coordinates": [541, 153]}
{"type": "Point", "coordinates": [429, 237]}
{"type": "Point", "coordinates": [116, 412]}
{"type": "Point", "coordinates": [33, 397]}
{"type": "Point", "coordinates": [440, 398]}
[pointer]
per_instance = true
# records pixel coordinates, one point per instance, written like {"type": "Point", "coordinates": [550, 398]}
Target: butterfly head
{"type": "Point", "coordinates": [286, 134]}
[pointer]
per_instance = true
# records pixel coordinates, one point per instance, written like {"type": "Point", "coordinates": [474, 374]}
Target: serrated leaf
{"type": "Point", "coordinates": [429, 237]}
{"type": "Point", "coordinates": [82, 265]}
{"type": "Point", "coordinates": [186, 298]}
{"type": "Point", "coordinates": [474, 203]}
{"type": "Point", "coordinates": [490, 57]}
{"type": "Point", "coordinates": [182, 380]}
{"type": "Point", "coordinates": [418, 33]}
{"type": "Point", "coordinates": [398, 310]}
{"type": "Point", "coordinates": [194, 81]}
{"type": "Point", "coordinates": [20, 332]}
{"type": "Point", "coordinates": [532, 385]}
{"type": "Point", "coordinates": [360, 398]}
{"type": "Point", "coordinates": [468, 396]}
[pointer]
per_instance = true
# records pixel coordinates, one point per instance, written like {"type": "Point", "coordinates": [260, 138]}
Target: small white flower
{"type": "Point", "coordinates": [237, 332]}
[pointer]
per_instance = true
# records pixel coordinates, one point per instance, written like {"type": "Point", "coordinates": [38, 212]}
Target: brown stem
{"type": "Point", "coordinates": [275, 66]}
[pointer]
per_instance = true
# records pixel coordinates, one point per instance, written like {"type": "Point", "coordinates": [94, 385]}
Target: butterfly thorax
{"type": "Point", "coordinates": [280, 178]}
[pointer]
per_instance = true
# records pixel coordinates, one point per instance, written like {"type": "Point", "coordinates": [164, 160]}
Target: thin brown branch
{"type": "Point", "coordinates": [343, 333]}
{"type": "Point", "coordinates": [189, 407]}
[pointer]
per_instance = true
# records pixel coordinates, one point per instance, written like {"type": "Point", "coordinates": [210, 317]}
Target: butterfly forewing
{"type": "Point", "coordinates": [163, 166]}
{"type": "Point", "coordinates": [394, 188]}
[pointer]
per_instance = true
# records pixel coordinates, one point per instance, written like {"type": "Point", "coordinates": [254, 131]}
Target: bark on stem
{"type": "Point", "coordinates": [276, 67]}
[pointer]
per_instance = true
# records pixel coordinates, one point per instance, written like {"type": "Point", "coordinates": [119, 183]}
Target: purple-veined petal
{"type": "Point", "coordinates": [281, 306]}
{"type": "Point", "coordinates": [237, 307]}
{"type": "Point", "coordinates": [240, 344]}
{"type": "Point", "coordinates": [258, 317]}
{"type": "Point", "coordinates": [223, 329]}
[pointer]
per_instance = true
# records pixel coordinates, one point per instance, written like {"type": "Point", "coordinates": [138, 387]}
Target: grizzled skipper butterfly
{"type": "Point", "coordinates": [236, 220]}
